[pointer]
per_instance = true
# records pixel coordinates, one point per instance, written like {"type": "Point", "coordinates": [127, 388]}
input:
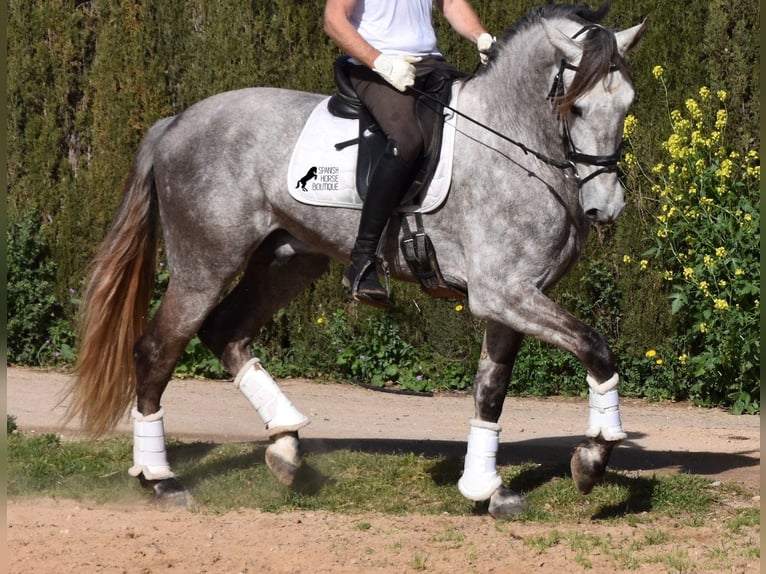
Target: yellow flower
{"type": "Point", "coordinates": [688, 272]}
{"type": "Point", "coordinates": [720, 252]}
{"type": "Point", "coordinates": [693, 107]}
{"type": "Point", "coordinates": [703, 327]}
{"type": "Point", "coordinates": [651, 353]}
{"type": "Point", "coordinates": [658, 361]}
{"type": "Point", "coordinates": [683, 358]}
{"type": "Point", "coordinates": [629, 126]}
{"type": "Point", "coordinates": [320, 320]}
{"type": "Point", "coordinates": [708, 261]}
{"type": "Point", "coordinates": [724, 170]}
{"type": "Point", "coordinates": [626, 259]}
{"type": "Point", "coordinates": [739, 272]}
{"type": "Point", "coordinates": [658, 71]}
{"type": "Point", "coordinates": [704, 93]}
{"type": "Point", "coordinates": [643, 265]}
{"type": "Point", "coordinates": [722, 95]}
{"type": "Point", "coordinates": [720, 119]}
{"type": "Point", "coordinates": [721, 304]}
{"type": "Point", "coordinates": [458, 308]}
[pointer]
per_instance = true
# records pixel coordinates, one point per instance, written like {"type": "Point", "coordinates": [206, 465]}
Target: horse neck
{"type": "Point", "coordinates": [513, 93]}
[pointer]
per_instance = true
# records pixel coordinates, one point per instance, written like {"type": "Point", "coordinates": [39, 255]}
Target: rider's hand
{"type": "Point", "coordinates": [484, 43]}
{"type": "Point", "coordinates": [396, 70]}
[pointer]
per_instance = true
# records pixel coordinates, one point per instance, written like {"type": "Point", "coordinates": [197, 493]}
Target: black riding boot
{"type": "Point", "coordinates": [388, 185]}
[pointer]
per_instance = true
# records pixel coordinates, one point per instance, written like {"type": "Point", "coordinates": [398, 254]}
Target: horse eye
{"type": "Point", "coordinates": [577, 111]}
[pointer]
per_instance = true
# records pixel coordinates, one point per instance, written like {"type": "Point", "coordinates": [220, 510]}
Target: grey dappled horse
{"type": "Point", "coordinates": [522, 199]}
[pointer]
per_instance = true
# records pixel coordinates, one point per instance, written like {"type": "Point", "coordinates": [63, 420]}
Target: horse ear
{"type": "Point", "coordinates": [572, 51]}
{"type": "Point", "coordinates": [629, 39]}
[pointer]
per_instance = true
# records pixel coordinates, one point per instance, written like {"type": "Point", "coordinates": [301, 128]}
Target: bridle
{"type": "Point", "coordinates": [605, 163]}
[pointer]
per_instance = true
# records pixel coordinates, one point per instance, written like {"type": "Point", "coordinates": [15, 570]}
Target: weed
{"type": "Point", "coordinates": [418, 562]}
{"type": "Point", "coordinates": [544, 541]}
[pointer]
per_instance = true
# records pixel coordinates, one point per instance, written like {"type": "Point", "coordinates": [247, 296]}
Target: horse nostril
{"type": "Point", "coordinates": [592, 213]}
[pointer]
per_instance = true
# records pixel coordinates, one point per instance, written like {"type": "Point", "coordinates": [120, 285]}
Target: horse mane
{"type": "Point", "coordinates": [600, 53]}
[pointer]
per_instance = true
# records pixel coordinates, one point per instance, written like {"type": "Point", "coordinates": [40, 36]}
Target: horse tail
{"type": "Point", "coordinates": [115, 304]}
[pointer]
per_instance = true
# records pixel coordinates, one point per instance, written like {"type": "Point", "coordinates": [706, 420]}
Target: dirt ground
{"type": "Point", "coordinates": [55, 536]}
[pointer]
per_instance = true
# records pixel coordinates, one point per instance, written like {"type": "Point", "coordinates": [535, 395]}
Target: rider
{"type": "Point", "coordinates": [392, 42]}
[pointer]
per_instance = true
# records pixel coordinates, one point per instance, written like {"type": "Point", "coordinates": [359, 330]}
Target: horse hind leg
{"type": "Point", "coordinates": [480, 480]}
{"type": "Point", "coordinates": [155, 356]}
{"type": "Point", "coordinates": [274, 276]}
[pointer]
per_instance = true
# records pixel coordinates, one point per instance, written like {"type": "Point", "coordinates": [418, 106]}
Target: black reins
{"type": "Point", "coordinates": [605, 163]}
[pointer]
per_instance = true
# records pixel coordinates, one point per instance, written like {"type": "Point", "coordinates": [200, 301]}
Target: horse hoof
{"type": "Point", "coordinates": [283, 457]}
{"type": "Point", "coordinates": [505, 503]}
{"type": "Point", "coordinates": [169, 492]}
{"type": "Point", "coordinates": [589, 461]}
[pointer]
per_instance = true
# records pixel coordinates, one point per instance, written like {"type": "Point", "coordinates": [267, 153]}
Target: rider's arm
{"type": "Point", "coordinates": [342, 32]}
{"type": "Point", "coordinates": [463, 19]}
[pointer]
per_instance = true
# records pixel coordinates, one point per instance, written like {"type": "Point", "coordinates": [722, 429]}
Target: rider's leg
{"type": "Point", "coordinates": [388, 184]}
{"type": "Point", "coordinates": [394, 112]}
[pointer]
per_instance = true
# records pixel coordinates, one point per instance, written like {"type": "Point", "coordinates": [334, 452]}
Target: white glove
{"type": "Point", "coordinates": [396, 70]}
{"type": "Point", "coordinates": [484, 43]}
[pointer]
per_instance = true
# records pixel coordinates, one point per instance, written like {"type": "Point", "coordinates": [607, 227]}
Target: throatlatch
{"type": "Point", "coordinates": [278, 413]}
{"type": "Point", "coordinates": [480, 479]}
{"type": "Point", "coordinates": [604, 402]}
{"type": "Point", "coordinates": [149, 454]}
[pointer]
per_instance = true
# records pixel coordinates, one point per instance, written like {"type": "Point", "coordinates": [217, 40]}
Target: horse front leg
{"type": "Point", "coordinates": [532, 313]}
{"type": "Point", "coordinates": [480, 480]}
{"type": "Point", "coordinates": [590, 457]}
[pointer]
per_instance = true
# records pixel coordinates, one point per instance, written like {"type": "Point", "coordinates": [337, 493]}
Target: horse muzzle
{"type": "Point", "coordinates": [604, 205]}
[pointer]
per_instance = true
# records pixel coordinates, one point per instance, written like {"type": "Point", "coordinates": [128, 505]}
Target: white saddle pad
{"type": "Point", "coordinates": [319, 174]}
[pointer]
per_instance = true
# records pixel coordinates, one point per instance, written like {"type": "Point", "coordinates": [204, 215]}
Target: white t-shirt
{"type": "Point", "coordinates": [396, 26]}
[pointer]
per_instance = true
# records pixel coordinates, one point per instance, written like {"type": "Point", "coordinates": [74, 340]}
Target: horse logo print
{"type": "Point", "coordinates": [310, 174]}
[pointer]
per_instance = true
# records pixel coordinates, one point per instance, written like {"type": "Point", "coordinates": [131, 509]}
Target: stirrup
{"type": "Point", "coordinates": [376, 298]}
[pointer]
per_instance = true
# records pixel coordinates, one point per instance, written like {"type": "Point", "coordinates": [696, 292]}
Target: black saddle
{"type": "Point", "coordinates": [372, 141]}
{"type": "Point", "coordinates": [416, 247]}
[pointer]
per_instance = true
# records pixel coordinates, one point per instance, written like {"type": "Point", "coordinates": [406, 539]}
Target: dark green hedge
{"type": "Point", "coordinates": [86, 79]}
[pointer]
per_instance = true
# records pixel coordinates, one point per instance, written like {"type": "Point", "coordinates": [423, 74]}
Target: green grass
{"type": "Point", "coordinates": [224, 477]}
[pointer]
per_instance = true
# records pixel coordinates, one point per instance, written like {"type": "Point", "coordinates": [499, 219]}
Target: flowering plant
{"type": "Point", "coordinates": [706, 235]}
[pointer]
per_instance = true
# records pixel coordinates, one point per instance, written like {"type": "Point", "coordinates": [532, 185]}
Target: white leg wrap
{"type": "Point", "coordinates": [149, 454]}
{"type": "Point", "coordinates": [278, 413]}
{"type": "Point", "coordinates": [480, 479]}
{"type": "Point", "coordinates": [604, 402]}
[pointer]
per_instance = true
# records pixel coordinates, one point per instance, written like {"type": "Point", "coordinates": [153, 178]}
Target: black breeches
{"type": "Point", "coordinates": [394, 111]}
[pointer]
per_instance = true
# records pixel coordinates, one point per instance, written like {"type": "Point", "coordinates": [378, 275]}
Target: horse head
{"type": "Point", "coordinates": [591, 89]}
